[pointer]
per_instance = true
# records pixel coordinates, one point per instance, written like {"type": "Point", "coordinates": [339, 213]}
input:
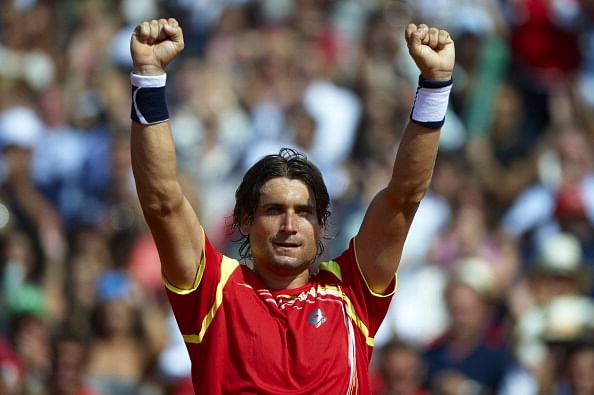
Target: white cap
{"type": "Point", "coordinates": [477, 274]}
{"type": "Point", "coordinates": [561, 252]}
{"type": "Point", "coordinates": [20, 126]}
{"type": "Point", "coordinates": [569, 317]}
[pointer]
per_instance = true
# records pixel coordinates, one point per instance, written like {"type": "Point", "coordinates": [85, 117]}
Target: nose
{"type": "Point", "coordinates": [289, 223]}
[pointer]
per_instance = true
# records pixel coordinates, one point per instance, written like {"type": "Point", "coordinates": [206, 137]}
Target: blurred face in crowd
{"type": "Point", "coordinates": [68, 367]}
{"type": "Point", "coordinates": [546, 286]}
{"type": "Point", "coordinates": [285, 230]}
{"type": "Point", "coordinates": [401, 369]}
{"type": "Point", "coordinates": [468, 311]}
{"type": "Point", "coordinates": [581, 372]}
{"type": "Point", "coordinates": [575, 154]}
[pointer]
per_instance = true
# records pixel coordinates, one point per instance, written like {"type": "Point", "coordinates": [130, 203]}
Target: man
{"type": "Point", "coordinates": [401, 369]}
{"type": "Point", "coordinates": [278, 327]}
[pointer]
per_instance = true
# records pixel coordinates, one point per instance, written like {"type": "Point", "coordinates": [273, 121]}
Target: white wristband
{"type": "Point", "coordinates": [431, 104]}
{"type": "Point", "coordinates": [148, 81]}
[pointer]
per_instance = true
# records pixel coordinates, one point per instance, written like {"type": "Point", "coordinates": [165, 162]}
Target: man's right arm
{"type": "Point", "coordinates": [173, 222]}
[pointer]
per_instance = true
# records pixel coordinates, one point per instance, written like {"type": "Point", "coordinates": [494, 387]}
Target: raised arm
{"type": "Point", "coordinates": [381, 237]}
{"type": "Point", "coordinates": [172, 221]}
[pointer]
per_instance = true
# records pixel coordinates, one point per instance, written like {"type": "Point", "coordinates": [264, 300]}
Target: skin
{"type": "Point", "coordinates": [284, 233]}
{"type": "Point", "coordinates": [176, 228]}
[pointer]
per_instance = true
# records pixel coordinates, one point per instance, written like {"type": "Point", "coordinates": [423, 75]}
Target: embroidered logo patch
{"type": "Point", "coordinates": [317, 318]}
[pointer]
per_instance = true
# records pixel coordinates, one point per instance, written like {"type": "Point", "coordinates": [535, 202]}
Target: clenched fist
{"type": "Point", "coordinates": [432, 50]}
{"type": "Point", "coordinates": [154, 44]}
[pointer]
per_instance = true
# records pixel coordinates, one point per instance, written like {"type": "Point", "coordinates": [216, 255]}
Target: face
{"type": "Point", "coordinates": [468, 311]}
{"type": "Point", "coordinates": [285, 229]}
{"type": "Point", "coordinates": [402, 371]}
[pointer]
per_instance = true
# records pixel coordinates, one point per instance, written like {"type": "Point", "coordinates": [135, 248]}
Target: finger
{"type": "Point", "coordinates": [417, 35]}
{"type": "Point", "coordinates": [433, 37]}
{"type": "Point", "coordinates": [154, 31]}
{"type": "Point", "coordinates": [143, 31]}
{"type": "Point", "coordinates": [410, 29]}
{"type": "Point", "coordinates": [168, 30]}
{"type": "Point", "coordinates": [172, 22]}
{"type": "Point", "coordinates": [423, 31]}
{"type": "Point", "coordinates": [444, 38]}
{"type": "Point", "coordinates": [163, 32]}
{"type": "Point", "coordinates": [175, 33]}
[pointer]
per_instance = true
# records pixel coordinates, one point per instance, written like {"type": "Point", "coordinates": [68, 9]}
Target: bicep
{"type": "Point", "coordinates": [381, 237]}
{"type": "Point", "coordinates": [179, 238]}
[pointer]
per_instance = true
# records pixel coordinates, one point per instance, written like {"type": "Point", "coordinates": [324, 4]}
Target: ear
{"type": "Point", "coordinates": [244, 228]}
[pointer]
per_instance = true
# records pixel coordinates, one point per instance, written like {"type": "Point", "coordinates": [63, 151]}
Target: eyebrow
{"type": "Point", "coordinates": [282, 205]}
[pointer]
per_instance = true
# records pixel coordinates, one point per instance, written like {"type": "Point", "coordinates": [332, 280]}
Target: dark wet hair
{"type": "Point", "coordinates": [287, 163]}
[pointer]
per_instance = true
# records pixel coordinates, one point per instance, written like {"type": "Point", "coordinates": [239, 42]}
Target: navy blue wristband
{"type": "Point", "coordinates": [432, 84]}
{"type": "Point", "coordinates": [149, 105]}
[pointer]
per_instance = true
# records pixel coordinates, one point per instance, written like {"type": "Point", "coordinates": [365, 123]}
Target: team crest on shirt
{"type": "Point", "coordinates": [317, 318]}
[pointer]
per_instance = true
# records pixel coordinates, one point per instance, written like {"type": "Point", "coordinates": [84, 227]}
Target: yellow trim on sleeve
{"type": "Point", "coordinates": [197, 279]}
{"type": "Point", "coordinates": [332, 267]}
{"type": "Point", "coordinates": [376, 294]}
{"type": "Point", "coordinates": [228, 265]}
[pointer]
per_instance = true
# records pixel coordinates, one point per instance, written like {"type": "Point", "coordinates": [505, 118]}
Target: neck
{"type": "Point", "coordinates": [464, 343]}
{"type": "Point", "coordinates": [277, 281]}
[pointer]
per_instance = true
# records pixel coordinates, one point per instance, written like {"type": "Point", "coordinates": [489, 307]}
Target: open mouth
{"type": "Point", "coordinates": [286, 244]}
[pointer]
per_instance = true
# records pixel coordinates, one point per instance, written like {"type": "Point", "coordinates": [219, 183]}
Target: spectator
{"type": "Point", "coordinates": [120, 354]}
{"type": "Point", "coordinates": [401, 370]}
{"type": "Point", "coordinates": [562, 199]}
{"type": "Point", "coordinates": [68, 368]}
{"type": "Point", "coordinates": [558, 272]}
{"type": "Point", "coordinates": [471, 352]}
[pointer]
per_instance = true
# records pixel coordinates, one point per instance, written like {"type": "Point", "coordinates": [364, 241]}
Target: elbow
{"type": "Point", "coordinates": [414, 197]}
{"type": "Point", "coordinates": [409, 193]}
{"type": "Point", "coordinates": [160, 205]}
{"type": "Point", "coordinates": [160, 209]}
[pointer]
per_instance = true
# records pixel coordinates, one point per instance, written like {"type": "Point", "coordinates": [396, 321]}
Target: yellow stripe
{"type": "Point", "coordinates": [228, 265]}
{"type": "Point", "coordinates": [181, 291]}
{"type": "Point", "coordinates": [360, 324]}
{"type": "Point", "coordinates": [197, 279]}
{"type": "Point", "coordinates": [332, 267]}
{"type": "Point", "coordinates": [351, 312]}
{"type": "Point", "coordinates": [376, 294]}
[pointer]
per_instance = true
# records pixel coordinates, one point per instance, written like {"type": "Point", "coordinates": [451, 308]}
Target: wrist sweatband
{"type": "Point", "coordinates": [149, 104]}
{"type": "Point", "coordinates": [431, 103]}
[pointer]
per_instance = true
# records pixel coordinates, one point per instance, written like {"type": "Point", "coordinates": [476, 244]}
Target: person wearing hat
{"type": "Point", "coordinates": [558, 270]}
{"type": "Point", "coordinates": [469, 356]}
{"type": "Point", "coordinates": [558, 274]}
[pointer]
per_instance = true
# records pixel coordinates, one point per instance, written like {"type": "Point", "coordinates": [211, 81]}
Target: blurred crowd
{"type": "Point", "coordinates": [495, 288]}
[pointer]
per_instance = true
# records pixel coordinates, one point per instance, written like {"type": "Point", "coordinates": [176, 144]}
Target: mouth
{"type": "Point", "coordinates": [286, 244]}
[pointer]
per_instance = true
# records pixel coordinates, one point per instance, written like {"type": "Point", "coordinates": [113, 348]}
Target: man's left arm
{"type": "Point", "coordinates": [380, 240]}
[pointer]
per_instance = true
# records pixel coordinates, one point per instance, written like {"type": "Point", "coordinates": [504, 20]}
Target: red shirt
{"type": "Point", "coordinates": [245, 339]}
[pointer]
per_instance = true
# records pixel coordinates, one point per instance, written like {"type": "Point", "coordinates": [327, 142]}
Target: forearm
{"type": "Point", "coordinates": [154, 167]}
{"type": "Point", "coordinates": [413, 167]}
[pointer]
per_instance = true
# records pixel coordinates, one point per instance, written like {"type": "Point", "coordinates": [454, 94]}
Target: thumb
{"type": "Point", "coordinates": [174, 32]}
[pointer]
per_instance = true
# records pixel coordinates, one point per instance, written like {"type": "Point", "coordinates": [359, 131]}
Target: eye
{"type": "Point", "coordinates": [273, 210]}
{"type": "Point", "coordinates": [305, 211]}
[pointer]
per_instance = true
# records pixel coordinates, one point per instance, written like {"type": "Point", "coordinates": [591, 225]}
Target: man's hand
{"type": "Point", "coordinates": [154, 44]}
{"type": "Point", "coordinates": [432, 50]}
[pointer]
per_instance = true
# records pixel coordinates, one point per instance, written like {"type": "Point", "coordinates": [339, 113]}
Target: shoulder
{"type": "Point", "coordinates": [337, 266]}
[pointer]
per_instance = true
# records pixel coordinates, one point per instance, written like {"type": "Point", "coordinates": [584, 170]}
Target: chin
{"type": "Point", "coordinates": [287, 261]}
{"type": "Point", "coordinates": [291, 262]}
